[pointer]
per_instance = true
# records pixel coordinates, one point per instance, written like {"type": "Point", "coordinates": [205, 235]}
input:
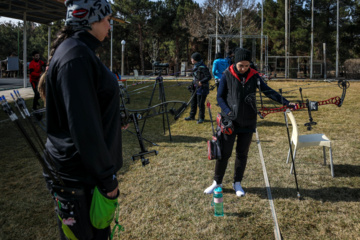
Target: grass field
{"type": "Point", "coordinates": [165, 200]}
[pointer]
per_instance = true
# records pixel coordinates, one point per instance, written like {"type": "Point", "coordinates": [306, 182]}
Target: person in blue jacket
{"type": "Point", "coordinates": [219, 66]}
{"type": "Point", "coordinates": [236, 85]}
{"type": "Point", "coordinates": [200, 84]}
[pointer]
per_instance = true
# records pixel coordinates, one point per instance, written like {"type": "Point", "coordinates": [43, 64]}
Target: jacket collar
{"type": "Point", "coordinates": [251, 72]}
{"type": "Point", "coordinates": [92, 42]}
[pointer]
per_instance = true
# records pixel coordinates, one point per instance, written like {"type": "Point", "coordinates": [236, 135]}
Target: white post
{"type": "Point", "coordinates": [312, 39]}
{"type": "Point", "coordinates": [261, 41]}
{"type": "Point", "coordinates": [286, 38]}
{"type": "Point", "coordinates": [122, 57]}
{"type": "Point", "coordinates": [217, 20]}
{"type": "Point", "coordinates": [324, 49]}
{"type": "Point", "coordinates": [111, 45]}
{"type": "Point", "coordinates": [337, 40]}
{"type": "Point", "coordinates": [49, 41]}
{"type": "Point", "coordinates": [218, 49]}
{"type": "Point", "coordinates": [24, 53]}
{"type": "Point", "coordinates": [241, 26]}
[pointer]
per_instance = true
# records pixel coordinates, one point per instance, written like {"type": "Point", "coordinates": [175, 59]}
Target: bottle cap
{"type": "Point", "coordinates": [218, 190]}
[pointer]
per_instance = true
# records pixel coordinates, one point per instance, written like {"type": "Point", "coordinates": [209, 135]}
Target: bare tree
{"type": "Point", "coordinates": [202, 22]}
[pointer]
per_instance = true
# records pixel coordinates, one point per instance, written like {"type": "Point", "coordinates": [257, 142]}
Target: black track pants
{"type": "Point", "coordinates": [34, 86]}
{"type": "Point", "coordinates": [242, 148]}
{"type": "Point", "coordinates": [198, 101]}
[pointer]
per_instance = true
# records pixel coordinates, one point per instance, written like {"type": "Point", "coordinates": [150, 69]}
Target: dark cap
{"type": "Point", "coordinates": [242, 54]}
{"type": "Point", "coordinates": [196, 56]}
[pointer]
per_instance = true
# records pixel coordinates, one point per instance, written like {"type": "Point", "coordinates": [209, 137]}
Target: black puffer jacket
{"type": "Point", "coordinates": [236, 94]}
{"type": "Point", "coordinates": [201, 74]}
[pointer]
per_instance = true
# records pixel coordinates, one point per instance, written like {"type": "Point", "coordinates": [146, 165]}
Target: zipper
{"type": "Point", "coordinates": [242, 101]}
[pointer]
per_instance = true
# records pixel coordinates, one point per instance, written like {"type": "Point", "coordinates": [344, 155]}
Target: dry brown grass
{"type": "Point", "coordinates": [165, 199]}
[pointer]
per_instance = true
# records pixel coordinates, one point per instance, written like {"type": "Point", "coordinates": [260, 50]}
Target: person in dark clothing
{"type": "Point", "coordinates": [84, 146]}
{"type": "Point", "coordinates": [230, 55]}
{"type": "Point", "coordinates": [236, 98]}
{"type": "Point", "coordinates": [36, 67]}
{"type": "Point", "coordinates": [200, 84]}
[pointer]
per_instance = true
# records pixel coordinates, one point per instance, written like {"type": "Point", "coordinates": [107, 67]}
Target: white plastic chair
{"type": "Point", "coordinates": [300, 141]}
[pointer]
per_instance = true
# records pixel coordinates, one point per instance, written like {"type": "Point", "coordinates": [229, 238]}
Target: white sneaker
{"type": "Point", "coordinates": [210, 189]}
{"type": "Point", "coordinates": [238, 189]}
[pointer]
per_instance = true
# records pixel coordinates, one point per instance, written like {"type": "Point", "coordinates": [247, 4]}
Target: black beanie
{"type": "Point", "coordinates": [196, 56]}
{"type": "Point", "coordinates": [242, 54]}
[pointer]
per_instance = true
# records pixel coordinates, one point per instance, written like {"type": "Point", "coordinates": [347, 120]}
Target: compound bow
{"type": "Point", "coordinates": [175, 108]}
{"type": "Point", "coordinates": [310, 105]}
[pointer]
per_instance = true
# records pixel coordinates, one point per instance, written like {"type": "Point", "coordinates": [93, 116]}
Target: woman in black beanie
{"type": "Point", "coordinates": [200, 84]}
{"type": "Point", "coordinates": [238, 82]}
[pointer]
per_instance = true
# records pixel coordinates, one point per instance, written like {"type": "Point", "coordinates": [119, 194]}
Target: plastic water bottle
{"type": "Point", "coordinates": [218, 202]}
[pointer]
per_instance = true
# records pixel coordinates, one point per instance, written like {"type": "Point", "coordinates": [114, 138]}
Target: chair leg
{"type": "Point", "coordinates": [331, 163]}
{"type": "Point", "coordinates": [288, 156]}
{"type": "Point", "coordinates": [292, 163]}
{"type": "Point", "coordinates": [324, 153]}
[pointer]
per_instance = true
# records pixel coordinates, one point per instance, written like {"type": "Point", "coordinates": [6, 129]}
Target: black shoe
{"type": "Point", "coordinates": [189, 118]}
{"type": "Point", "coordinates": [200, 121]}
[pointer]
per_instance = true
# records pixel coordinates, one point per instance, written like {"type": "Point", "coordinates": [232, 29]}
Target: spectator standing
{"type": "Point", "coordinates": [36, 67]}
{"type": "Point", "coordinates": [200, 84]}
{"type": "Point", "coordinates": [230, 56]}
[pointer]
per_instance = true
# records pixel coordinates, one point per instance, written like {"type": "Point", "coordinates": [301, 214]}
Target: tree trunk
{"type": "Point", "coordinates": [141, 50]}
{"type": "Point", "coordinates": [177, 47]}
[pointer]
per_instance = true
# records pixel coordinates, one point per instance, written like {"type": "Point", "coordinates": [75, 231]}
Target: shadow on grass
{"type": "Point", "coordinates": [329, 194]}
{"type": "Point", "coordinates": [346, 170]}
{"type": "Point", "coordinates": [187, 139]}
{"type": "Point", "coordinates": [264, 123]}
{"type": "Point", "coordinates": [238, 214]}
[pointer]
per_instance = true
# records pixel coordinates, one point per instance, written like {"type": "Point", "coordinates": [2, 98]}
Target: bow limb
{"type": "Point", "coordinates": [184, 106]}
{"type": "Point", "coordinates": [265, 111]}
{"type": "Point", "coordinates": [344, 84]}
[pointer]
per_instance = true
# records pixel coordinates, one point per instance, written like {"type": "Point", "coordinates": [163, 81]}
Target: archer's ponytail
{"type": "Point", "coordinates": [63, 34]}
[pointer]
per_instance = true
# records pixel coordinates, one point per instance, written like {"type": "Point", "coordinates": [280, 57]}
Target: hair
{"type": "Point", "coordinates": [218, 55]}
{"type": "Point", "coordinates": [35, 52]}
{"type": "Point", "coordinates": [63, 34]}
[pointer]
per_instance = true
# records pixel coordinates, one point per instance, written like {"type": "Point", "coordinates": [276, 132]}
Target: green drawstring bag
{"type": "Point", "coordinates": [102, 209]}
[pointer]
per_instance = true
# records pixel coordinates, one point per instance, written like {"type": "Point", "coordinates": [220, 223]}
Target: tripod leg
{"type": "Point", "coordinates": [149, 105]}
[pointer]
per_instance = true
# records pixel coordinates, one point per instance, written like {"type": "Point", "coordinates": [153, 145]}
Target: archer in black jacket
{"type": "Point", "coordinates": [200, 84]}
{"type": "Point", "coordinates": [83, 120]}
{"type": "Point", "coordinates": [236, 98]}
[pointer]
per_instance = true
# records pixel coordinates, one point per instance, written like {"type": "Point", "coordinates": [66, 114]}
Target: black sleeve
{"type": "Point", "coordinates": [206, 76]}
{"type": "Point", "coordinates": [77, 85]}
{"type": "Point", "coordinates": [270, 93]}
